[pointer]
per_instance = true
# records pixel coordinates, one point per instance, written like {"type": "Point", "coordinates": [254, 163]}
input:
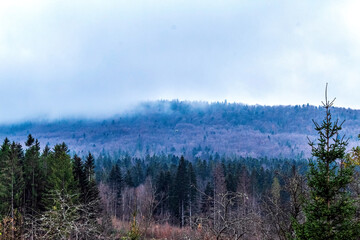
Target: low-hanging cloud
{"type": "Point", "coordinates": [97, 58]}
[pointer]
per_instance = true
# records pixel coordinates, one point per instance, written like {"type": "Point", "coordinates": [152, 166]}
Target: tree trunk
{"type": "Point", "coordinates": [182, 213]}
{"type": "Point", "coordinates": [190, 212]}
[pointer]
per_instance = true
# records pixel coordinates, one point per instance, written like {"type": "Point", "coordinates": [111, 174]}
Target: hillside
{"type": "Point", "coordinates": [192, 129]}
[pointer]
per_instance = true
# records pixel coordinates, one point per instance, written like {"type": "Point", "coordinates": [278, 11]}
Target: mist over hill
{"type": "Point", "coordinates": [192, 129]}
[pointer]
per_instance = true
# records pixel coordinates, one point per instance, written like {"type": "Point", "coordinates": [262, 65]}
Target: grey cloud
{"type": "Point", "coordinates": [96, 58]}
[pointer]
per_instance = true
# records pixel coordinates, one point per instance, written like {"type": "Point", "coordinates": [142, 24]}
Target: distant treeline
{"type": "Point", "coordinates": [259, 171]}
{"type": "Point", "coordinates": [192, 129]}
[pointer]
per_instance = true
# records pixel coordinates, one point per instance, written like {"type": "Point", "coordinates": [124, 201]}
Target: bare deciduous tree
{"type": "Point", "coordinates": [226, 221]}
{"type": "Point", "coordinates": [68, 220]}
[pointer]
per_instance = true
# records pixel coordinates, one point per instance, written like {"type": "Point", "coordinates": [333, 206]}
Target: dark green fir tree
{"type": "Point", "coordinates": [34, 177]}
{"type": "Point", "coordinates": [163, 184]}
{"type": "Point", "coordinates": [61, 177]}
{"type": "Point", "coordinates": [92, 192]}
{"type": "Point", "coordinates": [11, 186]}
{"type": "Point", "coordinates": [116, 184]}
{"type": "Point", "coordinates": [181, 191]}
{"type": "Point", "coordinates": [79, 177]}
{"type": "Point", "coordinates": [193, 193]}
{"type": "Point", "coordinates": [128, 179]}
{"type": "Point", "coordinates": [5, 178]}
{"type": "Point", "coordinates": [329, 211]}
{"type": "Point", "coordinates": [115, 179]}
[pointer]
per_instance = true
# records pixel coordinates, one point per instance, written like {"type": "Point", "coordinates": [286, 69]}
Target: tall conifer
{"type": "Point", "coordinates": [92, 192]}
{"type": "Point", "coordinates": [33, 175]}
{"type": "Point", "coordinates": [79, 177]}
{"type": "Point", "coordinates": [329, 210]}
{"type": "Point", "coordinates": [116, 184]}
{"type": "Point", "coordinates": [181, 190]}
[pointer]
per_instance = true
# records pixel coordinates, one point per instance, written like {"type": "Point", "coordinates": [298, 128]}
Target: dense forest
{"type": "Point", "coordinates": [48, 194]}
{"type": "Point", "coordinates": [166, 189]}
{"type": "Point", "coordinates": [51, 192]}
{"type": "Point", "coordinates": [191, 129]}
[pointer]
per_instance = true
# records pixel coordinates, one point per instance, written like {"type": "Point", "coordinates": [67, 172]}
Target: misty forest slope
{"type": "Point", "coordinates": [192, 129]}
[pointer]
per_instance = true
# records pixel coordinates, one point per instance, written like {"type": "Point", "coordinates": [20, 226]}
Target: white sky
{"type": "Point", "coordinates": [96, 58]}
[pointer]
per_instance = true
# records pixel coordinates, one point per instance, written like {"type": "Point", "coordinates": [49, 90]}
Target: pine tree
{"type": "Point", "coordinates": [329, 210]}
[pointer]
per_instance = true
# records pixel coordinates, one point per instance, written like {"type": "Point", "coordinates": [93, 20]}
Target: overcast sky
{"type": "Point", "coordinates": [97, 58]}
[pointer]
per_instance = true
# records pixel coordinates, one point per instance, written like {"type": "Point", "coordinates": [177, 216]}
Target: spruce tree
{"type": "Point", "coordinates": [139, 176]}
{"type": "Point", "coordinates": [79, 177]}
{"type": "Point", "coordinates": [16, 177]}
{"type": "Point", "coordinates": [181, 191]}
{"type": "Point", "coordinates": [128, 179]}
{"type": "Point", "coordinates": [35, 182]}
{"type": "Point", "coordinates": [60, 180]}
{"type": "Point", "coordinates": [34, 177]}
{"type": "Point", "coordinates": [89, 167]}
{"type": "Point", "coordinates": [45, 160]}
{"type": "Point", "coordinates": [116, 184]}
{"type": "Point", "coordinates": [193, 193]}
{"type": "Point", "coordinates": [5, 178]}
{"type": "Point", "coordinates": [163, 184]}
{"type": "Point", "coordinates": [329, 211]}
{"type": "Point", "coordinates": [92, 192]}
{"type": "Point", "coordinates": [11, 184]}
{"type": "Point", "coordinates": [115, 179]}
{"type": "Point", "coordinates": [61, 172]}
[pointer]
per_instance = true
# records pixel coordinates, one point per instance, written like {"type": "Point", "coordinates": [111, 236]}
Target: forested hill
{"type": "Point", "coordinates": [192, 129]}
